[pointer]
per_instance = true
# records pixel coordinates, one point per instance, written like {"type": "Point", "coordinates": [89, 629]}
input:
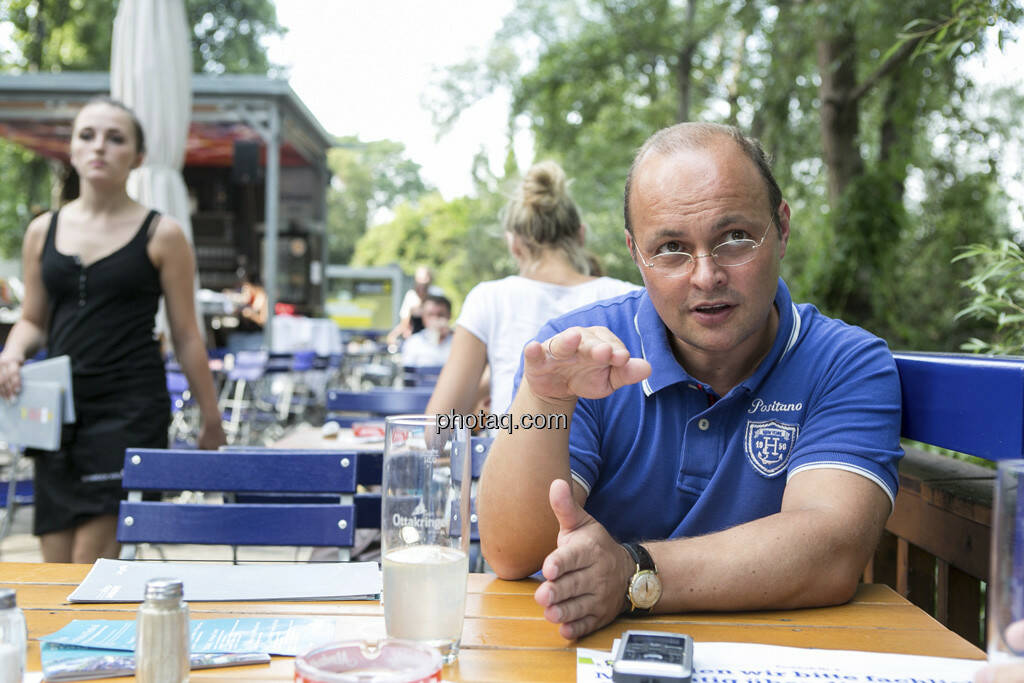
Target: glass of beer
{"type": "Point", "coordinates": [1006, 589]}
{"type": "Point", "coordinates": [425, 529]}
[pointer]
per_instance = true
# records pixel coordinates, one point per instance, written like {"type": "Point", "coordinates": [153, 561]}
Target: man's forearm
{"type": "Point", "coordinates": [795, 558]}
{"type": "Point", "coordinates": [517, 527]}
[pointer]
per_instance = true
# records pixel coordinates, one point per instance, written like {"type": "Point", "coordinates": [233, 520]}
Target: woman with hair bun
{"type": "Point", "coordinates": [545, 237]}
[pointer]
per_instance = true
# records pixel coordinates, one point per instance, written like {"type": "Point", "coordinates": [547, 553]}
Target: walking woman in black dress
{"type": "Point", "coordinates": [94, 272]}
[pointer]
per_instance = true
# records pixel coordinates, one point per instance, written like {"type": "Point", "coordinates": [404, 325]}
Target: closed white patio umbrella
{"type": "Point", "coordinates": [151, 72]}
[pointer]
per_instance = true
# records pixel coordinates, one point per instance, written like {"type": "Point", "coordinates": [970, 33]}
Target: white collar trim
{"type": "Point", "coordinates": [794, 332]}
{"type": "Point", "coordinates": [636, 326]}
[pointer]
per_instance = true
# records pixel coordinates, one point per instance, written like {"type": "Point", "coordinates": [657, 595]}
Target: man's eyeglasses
{"type": "Point", "coordinates": [727, 254]}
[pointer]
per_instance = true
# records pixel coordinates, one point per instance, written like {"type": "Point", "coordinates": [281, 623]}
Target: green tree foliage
{"type": "Point", "coordinates": [856, 102]}
{"type": "Point", "coordinates": [20, 197]}
{"type": "Point", "coordinates": [60, 35]}
{"type": "Point", "coordinates": [229, 36]}
{"type": "Point", "coordinates": [75, 35]}
{"type": "Point", "coordinates": [368, 177]}
{"type": "Point", "coordinates": [998, 296]}
{"type": "Point", "coordinates": [460, 239]}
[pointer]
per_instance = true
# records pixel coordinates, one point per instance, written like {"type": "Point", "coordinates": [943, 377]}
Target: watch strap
{"type": "Point", "coordinates": [640, 555]}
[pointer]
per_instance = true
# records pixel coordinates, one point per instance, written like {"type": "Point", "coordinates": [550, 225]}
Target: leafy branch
{"type": "Point", "coordinates": [998, 287]}
{"type": "Point", "coordinates": [946, 36]}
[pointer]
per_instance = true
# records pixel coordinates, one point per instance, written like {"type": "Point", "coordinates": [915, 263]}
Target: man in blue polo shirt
{"type": "Point", "coordinates": [749, 442]}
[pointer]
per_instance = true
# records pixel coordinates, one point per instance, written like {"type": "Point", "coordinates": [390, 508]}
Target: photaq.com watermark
{"type": "Point", "coordinates": [506, 423]}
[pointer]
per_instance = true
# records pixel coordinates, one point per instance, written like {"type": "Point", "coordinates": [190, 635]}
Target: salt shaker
{"type": "Point", "coordinates": [162, 634]}
{"type": "Point", "coordinates": [13, 637]}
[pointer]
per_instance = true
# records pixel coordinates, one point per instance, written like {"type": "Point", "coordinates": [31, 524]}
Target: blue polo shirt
{"type": "Point", "coordinates": [667, 457]}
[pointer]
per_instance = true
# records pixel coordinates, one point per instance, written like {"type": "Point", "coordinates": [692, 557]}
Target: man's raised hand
{"type": "Point", "coordinates": [583, 362]}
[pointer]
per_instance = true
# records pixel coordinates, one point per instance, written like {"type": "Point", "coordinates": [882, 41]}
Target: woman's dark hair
{"type": "Point", "coordinates": [440, 300]}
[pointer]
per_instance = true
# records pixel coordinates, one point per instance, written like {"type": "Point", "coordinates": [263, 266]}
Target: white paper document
{"type": "Point", "coordinates": [56, 369]}
{"type": "Point", "coordinates": [123, 581]}
{"type": "Point", "coordinates": [32, 419]}
{"type": "Point", "coordinates": [750, 663]}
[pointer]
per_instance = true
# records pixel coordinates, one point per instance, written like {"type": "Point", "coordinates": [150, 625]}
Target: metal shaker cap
{"type": "Point", "coordinates": [164, 589]}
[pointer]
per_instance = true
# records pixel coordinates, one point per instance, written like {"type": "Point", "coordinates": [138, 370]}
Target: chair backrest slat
{"type": "Point", "coordinates": [379, 402]}
{"type": "Point", "coordinates": [369, 464]}
{"type": "Point", "coordinates": [258, 470]}
{"type": "Point", "coordinates": [970, 404]}
{"type": "Point", "coordinates": [298, 525]}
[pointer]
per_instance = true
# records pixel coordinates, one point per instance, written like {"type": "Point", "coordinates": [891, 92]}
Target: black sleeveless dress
{"type": "Point", "coordinates": [101, 315]}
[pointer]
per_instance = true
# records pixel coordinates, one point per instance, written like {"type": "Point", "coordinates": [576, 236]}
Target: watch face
{"type": "Point", "coordinates": [645, 589]}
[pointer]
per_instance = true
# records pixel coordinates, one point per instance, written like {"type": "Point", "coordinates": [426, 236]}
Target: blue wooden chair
{"type": "Point", "coordinates": [311, 498]}
{"type": "Point", "coordinates": [970, 404]}
{"type": "Point", "coordinates": [479, 447]}
{"type": "Point", "coordinates": [936, 551]}
{"type": "Point", "coordinates": [348, 407]}
{"type": "Point", "coordinates": [16, 489]}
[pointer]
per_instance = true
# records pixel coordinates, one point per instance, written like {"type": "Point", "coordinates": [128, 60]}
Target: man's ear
{"type": "Point", "coordinates": [629, 245]}
{"type": "Point", "coordinates": [783, 228]}
{"type": "Point", "coordinates": [582, 233]}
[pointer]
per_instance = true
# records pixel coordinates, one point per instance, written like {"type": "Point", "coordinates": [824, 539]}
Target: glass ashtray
{"type": "Point", "coordinates": [388, 661]}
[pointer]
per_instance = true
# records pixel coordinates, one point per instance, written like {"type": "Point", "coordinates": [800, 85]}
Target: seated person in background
{"type": "Point", "coordinates": [410, 314]}
{"type": "Point", "coordinates": [252, 309]}
{"type": "Point", "coordinates": [740, 447]}
{"type": "Point", "coordinates": [545, 237]}
{"type": "Point", "coordinates": [430, 346]}
{"type": "Point", "coordinates": [255, 308]}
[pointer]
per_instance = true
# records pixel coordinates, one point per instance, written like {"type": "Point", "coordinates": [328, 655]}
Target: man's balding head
{"type": "Point", "coordinates": [691, 136]}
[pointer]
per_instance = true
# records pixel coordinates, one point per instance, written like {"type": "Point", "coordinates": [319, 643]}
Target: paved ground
{"type": "Point", "coordinates": [20, 545]}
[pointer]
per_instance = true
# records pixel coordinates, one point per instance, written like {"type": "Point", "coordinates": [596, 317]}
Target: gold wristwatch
{"type": "Point", "coordinates": [644, 588]}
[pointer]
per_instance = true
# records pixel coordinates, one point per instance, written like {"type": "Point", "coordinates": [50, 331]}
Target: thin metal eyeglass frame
{"type": "Point", "coordinates": [692, 262]}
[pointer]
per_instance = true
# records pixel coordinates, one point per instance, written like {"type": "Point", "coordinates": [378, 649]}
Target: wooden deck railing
{"type": "Point", "coordinates": [935, 550]}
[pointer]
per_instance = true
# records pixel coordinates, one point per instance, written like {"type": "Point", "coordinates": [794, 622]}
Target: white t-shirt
{"type": "Point", "coordinates": [506, 314]}
{"type": "Point", "coordinates": [419, 350]}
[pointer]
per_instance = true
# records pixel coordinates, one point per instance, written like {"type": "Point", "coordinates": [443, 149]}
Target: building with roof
{"type": "Point", "coordinates": [253, 150]}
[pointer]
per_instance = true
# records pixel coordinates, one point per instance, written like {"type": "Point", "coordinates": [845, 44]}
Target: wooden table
{"type": "Point", "coordinates": [506, 638]}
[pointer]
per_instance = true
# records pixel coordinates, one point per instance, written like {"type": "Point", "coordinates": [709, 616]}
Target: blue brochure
{"type": "Point", "coordinates": [73, 663]}
{"type": "Point", "coordinates": [277, 636]}
{"type": "Point", "coordinates": [104, 648]}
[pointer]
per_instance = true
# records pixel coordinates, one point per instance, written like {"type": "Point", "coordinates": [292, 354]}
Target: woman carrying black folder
{"type": "Point", "coordinates": [94, 272]}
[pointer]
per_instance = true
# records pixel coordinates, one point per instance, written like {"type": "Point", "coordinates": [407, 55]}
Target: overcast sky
{"type": "Point", "coordinates": [362, 67]}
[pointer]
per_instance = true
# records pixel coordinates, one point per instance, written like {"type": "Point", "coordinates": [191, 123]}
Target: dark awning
{"type": "Point", "coordinates": [36, 112]}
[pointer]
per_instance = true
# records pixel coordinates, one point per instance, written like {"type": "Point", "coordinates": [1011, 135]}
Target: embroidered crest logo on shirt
{"type": "Point", "coordinates": [768, 445]}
